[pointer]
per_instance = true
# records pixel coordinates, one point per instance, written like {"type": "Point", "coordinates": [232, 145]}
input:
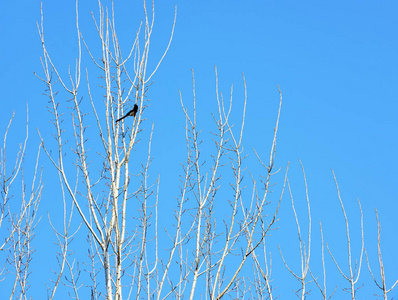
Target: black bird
{"type": "Point", "coordinates": [131, 113]}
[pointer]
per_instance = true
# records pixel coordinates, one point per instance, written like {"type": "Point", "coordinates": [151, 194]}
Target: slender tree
{"type": "Point", "coordinates": [105, 217]}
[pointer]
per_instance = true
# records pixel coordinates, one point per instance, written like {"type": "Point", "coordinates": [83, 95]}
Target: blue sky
{"type": "Point", "coordinates": [335, 62]}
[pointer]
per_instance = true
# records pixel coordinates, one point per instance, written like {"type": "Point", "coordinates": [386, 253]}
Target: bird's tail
{"type": "Point", "coordinates": [120, 119]}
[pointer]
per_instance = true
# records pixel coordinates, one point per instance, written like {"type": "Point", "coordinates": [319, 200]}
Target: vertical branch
{"type": "Point", "coordinates": [200, 199]}
{"type": "Point", "coordinates": [7, 180]}
{"type": "Point", "coordinates": [21, 213]}
{"type": "Point", "coordinates": [144, 272]}
{"type": "Point", "coordinates": [322, 289]}
{"type": "Point", "coordinates": [304, 253]}
{"type": "Point", "coordinates": [383, 285]}
{"type": "Point", "coordinates": [352, 274]}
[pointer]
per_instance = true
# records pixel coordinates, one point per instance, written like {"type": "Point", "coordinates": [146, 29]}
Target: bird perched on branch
{"type": "Point", "coordinates": [131, 113]}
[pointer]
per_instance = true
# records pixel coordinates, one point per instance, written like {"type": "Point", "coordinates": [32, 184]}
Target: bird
{"type": "Point", "coordinates": [131, 113]}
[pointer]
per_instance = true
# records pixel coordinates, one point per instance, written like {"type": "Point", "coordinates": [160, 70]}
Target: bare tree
{"type": "Point", "coordinates": [105, 215]}
{"type": "Point", "coordinates": [209, 252]}
{"type": "Point", "coordinates": [245, 225]}
{"type": "Point", "coordinates": [123, 251]}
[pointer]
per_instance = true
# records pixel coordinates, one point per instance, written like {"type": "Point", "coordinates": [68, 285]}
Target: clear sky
{"type": "Point", "coordinates": [336, 63]}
